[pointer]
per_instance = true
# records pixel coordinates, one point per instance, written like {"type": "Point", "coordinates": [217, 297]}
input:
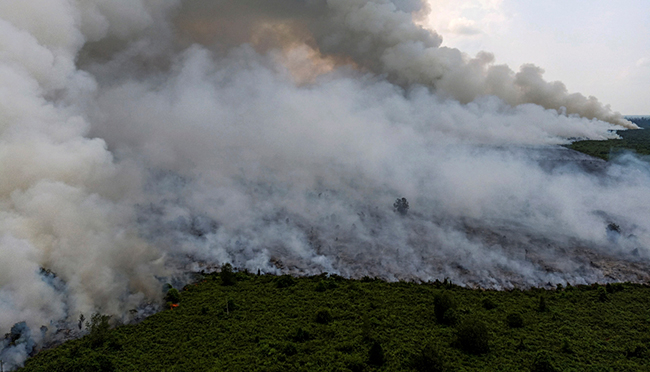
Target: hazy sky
{"type": "Point", "coordinates": [596, 47]}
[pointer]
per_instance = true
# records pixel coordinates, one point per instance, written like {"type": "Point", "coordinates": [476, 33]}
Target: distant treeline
{"type": "Point", "coordinates": [634, 140]}
{"type": "Point", "coordinates": [642, 121]}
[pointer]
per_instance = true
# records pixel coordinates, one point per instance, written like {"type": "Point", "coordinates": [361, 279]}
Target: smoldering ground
{"type": "Point", "coordinates": [143, 140]}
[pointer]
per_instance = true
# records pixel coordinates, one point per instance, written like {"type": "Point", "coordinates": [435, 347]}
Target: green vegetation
{"type": "Point", "coordinates": [543, 363]}
{"type": "Point", "coordinates": [227, 276]}
{"type": "Point", "coordinates": [635, 140]}
{"type": "Point", "coordinates": [444, 307]}
{"type": "Point", "coordinates": [173, 296]}
{"type": "Point", "coordinates": [473, 336]}
{"type": "Point", "coordinates": [515, 320]}
{"type": "Point", "coordinates": [321, 323]}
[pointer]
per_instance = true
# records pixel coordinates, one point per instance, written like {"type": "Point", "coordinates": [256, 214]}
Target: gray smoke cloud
{"type": "Point", "coordinates": [381, 36]}
{"type": "Point", "coordinates": [140, 140]}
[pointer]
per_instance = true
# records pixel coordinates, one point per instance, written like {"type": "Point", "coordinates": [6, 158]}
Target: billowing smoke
{"type": "Point", "coordinates": [143, 139]}
{"type": "Point", "coordinates": [380, 36]}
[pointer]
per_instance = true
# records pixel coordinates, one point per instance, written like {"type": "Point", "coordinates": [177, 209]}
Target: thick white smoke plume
{"type": "Point", "coordinates": [142, 138]}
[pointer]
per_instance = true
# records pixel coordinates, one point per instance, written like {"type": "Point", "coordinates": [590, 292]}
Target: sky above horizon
{"type": "Point", "coordinates": [599, 48]}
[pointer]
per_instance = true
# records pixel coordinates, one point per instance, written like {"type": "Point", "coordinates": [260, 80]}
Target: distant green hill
{"type": "Point", "coordinates": [635, 140]}
{"type": "Point", "coordinates": [268, 323]}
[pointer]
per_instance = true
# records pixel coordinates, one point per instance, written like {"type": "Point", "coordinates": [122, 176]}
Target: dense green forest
{"type": "Point", "coordinates": [635, 140]}
{"type": "Point", "coordinates": [246, 322]}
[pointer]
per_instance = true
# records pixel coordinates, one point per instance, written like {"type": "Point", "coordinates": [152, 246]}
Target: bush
{"type": "Point", "coordinates": [488, 304]}
{"type": "Point", "coordinates": [401, 206]}
{"type": "Point", "coordinates": [636, 351]}
{"type": "Point", "coordinates": [99, 329]}
{"type": "Point", "coordinates": [376, 354]}
{"type": "Point", "coordinates": [300, 335]}
{"type": "Point", "coordinates": [227, 276]}
{"type": "Point", "coordinates": [542, 363]}
{"type": "Point", "coordinates": [173, 296]}
{"type": "Point", "coordinates": [451, 317]}
{"type": "Point", "coordinates": [541, 306]}
{"type": "Point", "coordinates": [566, 347]}
{"type": "Point", "coordinates": [323, 316]}
{"type": "Point", "coordinates": [515, 320]}
{"type": "Point", "coordinates": [285, 281]}
{"type": "Point", "coordinates": [612, 227]}
{"type": "Point", "coordinates": [473, 337]}
{"type": "Point", "coordinates": [428, 360]}
{"type": "Point", "coordinates": [230, 306]}
{"type": "Point", "coordinates": [602, 294]}
{"type": "Point", "coordinates": [320, 287]}
{"type": "Point", "coordinates": [367, 326]}
{"type": "Point", "coordinates": [441, 303]}
{"type": "Point", "coordinates": [615, 287]}
{"type": "Point", "coordinates": [91, 361]}
{"type": "Point", "coordinates": [354, 363]}
{"type": "Point", "coordinates": [241, 276]}
{"type": "Point", "coordinates": [289, 350]}
{"type": "Point", "coordinates": [521, 346]}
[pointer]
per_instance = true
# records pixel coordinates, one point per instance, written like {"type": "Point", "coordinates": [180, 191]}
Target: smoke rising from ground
{"type": "Point", "coordinates": [140, 139]}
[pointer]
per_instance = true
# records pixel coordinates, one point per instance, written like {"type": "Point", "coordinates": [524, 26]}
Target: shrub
{"type": "Point", "coordinates": [428, 360]}
{"type": "Point", "coordinates": [285, 281]}
{"type": "Point", "coordinates": [473, 337]}
{"type": "Point", "coordinates": [542, 363]}
{"type": "Point", "coordinates": [230, 306]}
{"type": "Point", "coordinates": [354, 363]}
{"type": "Point", "coordinates": [602, 294]}
{"type": "Point", "coordinates": [300, 335]}
{"type": "Point", "coordinates": [515, 320]}
{"type": "Point", "coordinates": [541, 306]}
{"type": "Point", "coordinates": [82, 318]}
{"type": "Point", "coordinates": [99, 329]}
{"type": "Point", "coordinates": [566, 347]}
{"type": "Point", "coordinates": [636, 351]}
{"type": "Point", "coordinates": [289, 349]}
{"type": "Point", "coordinates": [521, 346]}
{"type": "Point", "coordinates": [451, 317]}
{"type": "Point", "coordinates": [612, 227]}
{"type": "Point", "coordinates": [488, 304]}
{"type": "Point", "coordinates": [173, 296]}
{"type": "Point", "coordinates": [401, 206]}
{"type": "Point", "coordinates": [376, 354]}
{"type": "Point", "coordinates": [441, 303]}
{"type": "Point", "coordinates": [227, 276]}
{"type": "Point", "coordinates": [367, 326]}
{"type": "Point", "coordinates": [93, 361]}
{"type": "Point", "coordinates": [241, 276]}
{"type": "Point", "coordinates": [323, 316]}
{"type": "Point", "coordinates": [321, 287]}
